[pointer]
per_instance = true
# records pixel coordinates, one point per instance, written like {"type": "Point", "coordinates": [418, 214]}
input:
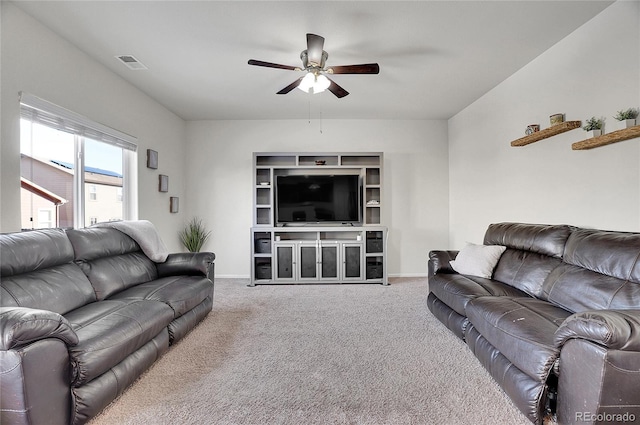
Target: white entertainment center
{"type": "Point", "coordinates": [339, 247]}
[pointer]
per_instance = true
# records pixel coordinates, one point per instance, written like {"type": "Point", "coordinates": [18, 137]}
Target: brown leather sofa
{"type": "Point", "coordinates": [558, 323]}
{"type": "Point", "coordinates": [83, 313]}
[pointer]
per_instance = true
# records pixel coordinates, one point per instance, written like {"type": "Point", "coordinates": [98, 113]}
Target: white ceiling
{"type": "Point", "coordinates": [435, 57]}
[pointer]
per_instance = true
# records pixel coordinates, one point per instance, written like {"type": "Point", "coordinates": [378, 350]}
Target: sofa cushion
{"type": "Point", "coordinates": [181, 293]}
{"type": "Point", "coordinates": [34, 250]}
{"type": "Point", "coordinates": [477, 260]}
{"type": "Point", "coordinates": [545, 239]}
{"type": "Point", "coordinates": [98, 242]}
{"type": "Point", "coordinates": [609, 253]}
{"type": "Point", "coordinates": [108, 331]}
{"type": "Point", "coordinates": [59, 289]}
{"type": "Point", "coordinates": [456, 290]}
{"type": "Point", "coordinates": [608, 261]}
{"type": "Point", "coordinates": [38, 272]}
{"type": "Point", "coordinates": [533, 250]}
{"type": "Point", "coordinates": [525, 270]}
{"type": "Point", "coordinates": [111, 260]}
{"type": "Point", "coordinates": [522, 329]}
{"type": "Point", "coordinates": [111, 275]}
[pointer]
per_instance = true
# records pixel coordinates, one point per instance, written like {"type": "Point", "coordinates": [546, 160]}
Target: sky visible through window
{"type": "Point", "coordinates": [50, 144]}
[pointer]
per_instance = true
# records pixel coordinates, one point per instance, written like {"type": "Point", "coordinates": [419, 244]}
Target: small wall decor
{"type": "Point", "coordinates": [152, 159]}
{"type": "Point", "coordinates": [556, 119]}
{"type": "Point", "coordinates": [532, 128]}
{"type": "Point", "coordinates": [174, 204]}
{"type": "Point", "coordinates": [163, 183]}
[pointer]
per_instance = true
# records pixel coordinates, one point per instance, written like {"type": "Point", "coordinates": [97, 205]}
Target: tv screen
{"type": "Point", "coordinates": [317, 198]}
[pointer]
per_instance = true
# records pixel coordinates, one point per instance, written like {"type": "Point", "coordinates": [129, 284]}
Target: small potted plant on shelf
{"type": "Point", "coordinates": [629, 116]}
{"type": "Point", "coordinates": [194, 235]}
{"type": "Point", "coordinates": [594, 125]}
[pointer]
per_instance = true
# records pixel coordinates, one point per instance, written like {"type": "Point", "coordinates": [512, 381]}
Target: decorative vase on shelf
{"type": "Point", "coordinates": [631, 122]}
{"type": "Point", "coordinates": [596, 133]}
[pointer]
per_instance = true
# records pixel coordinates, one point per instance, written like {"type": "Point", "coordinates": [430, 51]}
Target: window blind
{"type": "Point", "coordinates": [46, 113]}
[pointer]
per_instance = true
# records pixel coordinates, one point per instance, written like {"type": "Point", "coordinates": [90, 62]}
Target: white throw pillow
{"type": "Point", "coordinates": [478, 260]}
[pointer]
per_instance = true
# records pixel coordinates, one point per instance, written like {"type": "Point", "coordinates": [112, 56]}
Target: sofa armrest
{"type": "Point", "coordinates": [188, 263]}
{"type": "Point", "coordinates": [439, 261]}
{"type": "Point", "coordinates": [21, 326]}
{"type": "Point", "coordinates": [614, 329]}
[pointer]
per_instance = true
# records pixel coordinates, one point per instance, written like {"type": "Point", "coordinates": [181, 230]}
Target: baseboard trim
{"type": "Point", "coordinates": [246, 276]}
{"type": "Point", "coordinates": [233, 276]}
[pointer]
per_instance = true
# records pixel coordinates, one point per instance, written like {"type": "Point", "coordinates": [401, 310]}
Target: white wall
{"type": "Point", "coordinates": [37, 61]}
{"type": "Point", "coordinates": [595, 71]}
{"type": "Point", "coordinates": [415, 199]}
{"type": "Point", "coordinates": [436, 195]}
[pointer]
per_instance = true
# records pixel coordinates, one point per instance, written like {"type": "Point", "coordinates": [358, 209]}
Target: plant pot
{"type": "Point", "coordinates": [596, 133]}
{"type": "Point", "coordinates": [630, 122]}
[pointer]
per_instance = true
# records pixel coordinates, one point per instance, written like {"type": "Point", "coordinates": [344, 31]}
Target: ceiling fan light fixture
{"type": "Point", "coordinates": [314, 83]}
{"type": "Point", "coordinates": [307, 82]}
{"type": "Point", "coordinates": [322, 83]}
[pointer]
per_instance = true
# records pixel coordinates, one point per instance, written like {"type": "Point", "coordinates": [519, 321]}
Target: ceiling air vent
{"type": "Point", "coordinates": [131, 62]}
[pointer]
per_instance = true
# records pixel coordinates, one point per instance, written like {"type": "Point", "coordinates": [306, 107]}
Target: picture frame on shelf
{"type": "Point", "coordinates": [163, 183]}
{"type": "Point", "coordinates": [152, 159]}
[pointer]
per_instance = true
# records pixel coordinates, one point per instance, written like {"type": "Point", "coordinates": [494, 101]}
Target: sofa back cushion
{"type": "Point", "coordinates": [533, 251]}
{"type": "Point", "coordinates": [601, 270]}
{"type": "Point", "coordinates": [37, 271]}
{"type": "Point", "coordinates": [111, 260]}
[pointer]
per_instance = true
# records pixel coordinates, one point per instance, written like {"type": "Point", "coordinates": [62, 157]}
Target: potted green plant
{"type": "Point", "coordinates": [629, 116]}
{"type": "Point", "coordinates": [594, 125]}
{"type": "Point", "coordinates": [194, 235]}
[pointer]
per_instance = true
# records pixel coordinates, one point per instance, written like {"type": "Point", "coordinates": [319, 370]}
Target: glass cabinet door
{"type": "Point", "coordinates": [308, 264]}
{"type": "Point", "coordinates": [285, 261]}
{"type": "Point", "coordinates": [329, 261]}
{"type": "Point", "coordinates": [352, 258]}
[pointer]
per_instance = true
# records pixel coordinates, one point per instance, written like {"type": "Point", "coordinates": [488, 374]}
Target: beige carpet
{"type": "Point", "coordinates": [316, 354]}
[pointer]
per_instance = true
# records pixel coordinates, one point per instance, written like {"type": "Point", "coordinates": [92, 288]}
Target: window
{"type": "Point", "coordinates": [80, 171]}
{"type": "Point", "coordinates": [45, 218]}
{"type": "Point", "coordinates": [93, 192]}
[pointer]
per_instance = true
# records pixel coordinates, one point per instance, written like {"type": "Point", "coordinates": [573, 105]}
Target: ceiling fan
{"type": "Point", "coordinates": [315, 79]}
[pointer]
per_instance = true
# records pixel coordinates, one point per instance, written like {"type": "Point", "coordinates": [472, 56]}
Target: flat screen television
{"type": "Point", "coordinates": [305, 199]}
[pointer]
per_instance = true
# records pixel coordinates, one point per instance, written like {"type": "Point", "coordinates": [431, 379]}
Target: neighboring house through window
{"type": "Point", "coordinates": [74, 172]}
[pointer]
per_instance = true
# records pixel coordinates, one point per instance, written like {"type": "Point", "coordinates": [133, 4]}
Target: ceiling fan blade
{"type": "Point", "coordinates": [367, 68]}
{"type": "Point", "coordinates": [272, 65]}
{"type": "Point", "coordinates": [290, 87]}
{"type": "Point", "coordinates": [315, 44]}
{"type": "Point", "coordinates": [337, 90]}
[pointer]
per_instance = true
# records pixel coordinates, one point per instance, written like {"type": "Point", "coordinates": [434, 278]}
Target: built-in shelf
{"type": "Point", "coordinates": [269, 165]}
{"type": "Point", "coordinates": [318, 252]}
{"type": "Point", "coordinates": [546, 133]}
{"type": "Point", "coordinates": [607, 139]}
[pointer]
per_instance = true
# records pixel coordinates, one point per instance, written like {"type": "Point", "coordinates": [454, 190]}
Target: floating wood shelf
{"type": "Point", "coordinates": [546, 133]}
{"type": "Point", "coordinates": [607, 139]}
